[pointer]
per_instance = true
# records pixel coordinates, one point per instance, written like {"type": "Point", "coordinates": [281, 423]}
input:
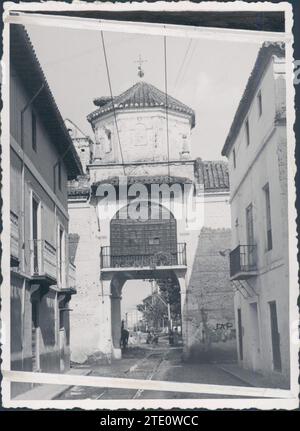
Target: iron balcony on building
{"type": "Point", "coordinates": [43, 261]}
{"type": "Point", "coordinates": [14, 240]}
{"type": "Point", "coordinates": [243, 262]}
{"type": "Point", "coordinates": [154, 259]}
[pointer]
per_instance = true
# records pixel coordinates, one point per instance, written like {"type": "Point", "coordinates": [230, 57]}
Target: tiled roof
{"type": "Point", "coordinates": [213, 174]}
{"type": "Point", "coordinates": [147, 179]}
{"type": "Point", "coordinates": [28, 68]}
{"type": "Point", "coordinates": [141, 95]}
{"type": "Point", "coordinates": [264, 55]}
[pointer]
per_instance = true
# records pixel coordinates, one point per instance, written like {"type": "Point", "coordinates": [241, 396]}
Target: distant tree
{"type": "Point", "coordinates": [170, 292]}
{"type": "Point", "coordinates": [154, 311]}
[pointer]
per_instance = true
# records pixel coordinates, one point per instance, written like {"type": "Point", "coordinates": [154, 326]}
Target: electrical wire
{"type": "Point", "coordinates": [182, 64]}
{"type": "Point", "coordinates": [112, 99]}
{"type": "Point", "coordinates": [166, 93]}
{"type": "Point", "coordinates": [185, 67]}
{"type": "Point", "coordinates": [78, 128]}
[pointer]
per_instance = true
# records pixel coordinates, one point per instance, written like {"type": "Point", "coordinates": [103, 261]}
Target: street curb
{"type": "Point", "coordinates": [235, 376]}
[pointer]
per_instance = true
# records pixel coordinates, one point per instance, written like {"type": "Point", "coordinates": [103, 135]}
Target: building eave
{"type": "Point", "coordinates": [141, 96]}
{"type": "Point", "coordinates": [28, 68]}
{"type": "Point", "coordinates": [266, 53]}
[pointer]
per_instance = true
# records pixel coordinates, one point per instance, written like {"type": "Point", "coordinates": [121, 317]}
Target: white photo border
{"type": "Point", "coordinates": [266, 398]}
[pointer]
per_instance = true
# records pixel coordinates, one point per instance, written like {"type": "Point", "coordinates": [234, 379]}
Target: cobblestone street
{"type": "Point", "coordinates": [154, 363]}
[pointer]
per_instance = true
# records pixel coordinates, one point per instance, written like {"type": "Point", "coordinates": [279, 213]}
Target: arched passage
{"type": "Point", "coordinates": [174, 278]}
{"type": "Point", "coordinates": [141, 248]}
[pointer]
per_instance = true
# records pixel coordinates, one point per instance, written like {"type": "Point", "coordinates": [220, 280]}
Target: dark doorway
{"type": "Point", "coordinates": [240, 329]}
{"type": "Point", "coordinates": [35, 335]}
{"type": "Point", "coordinates": [275, 337]}
{"type": "Point", "coordinates": [62, 336]}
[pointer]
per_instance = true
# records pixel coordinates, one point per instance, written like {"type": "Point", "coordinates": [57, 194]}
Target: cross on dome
{"type": "Point", "coordinates": [140, 62]}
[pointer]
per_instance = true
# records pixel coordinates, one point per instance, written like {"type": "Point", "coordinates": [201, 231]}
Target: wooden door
{"type": "Point", "coordinates": [35, 335]}
{"type": "Point", "coordinates": [275, 337]}
{"type": "Point", "coordinates": [240, 334]}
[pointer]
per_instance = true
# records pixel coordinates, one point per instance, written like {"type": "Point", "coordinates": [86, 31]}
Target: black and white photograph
{"type": "Point", "coordinates": [149, 247]}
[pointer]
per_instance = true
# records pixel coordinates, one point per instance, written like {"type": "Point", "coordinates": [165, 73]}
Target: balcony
{"type": "Point", "coordinates": [14, 240]}
{"type": "Point", "coordinates": [72, 276]}
{"type": "Point", "coordinates": [146, 260]}
{"type": "Point", "coordinates": [43, 261]}
{"type": "Point", "coordinates": [243, 262]}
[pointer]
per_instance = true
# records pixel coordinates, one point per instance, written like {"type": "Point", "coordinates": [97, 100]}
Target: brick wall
{"type": "Point", "coordinates": [209, 302]}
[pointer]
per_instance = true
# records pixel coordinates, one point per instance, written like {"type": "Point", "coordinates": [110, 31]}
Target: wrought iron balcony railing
{"type": "Point", "coordinates": [43, 259]}
{"type": "Point", "coordinates": [72, 275]}
{"type": "Point", "coordinates": [14, 239]}
{"type": "Point", "coordinates": [243, 262]}
{"type": "Point", "coordinates": [150, 259]}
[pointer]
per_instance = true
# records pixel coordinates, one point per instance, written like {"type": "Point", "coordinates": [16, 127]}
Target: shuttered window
{"type": "Point", "coordinates": [268, 217]}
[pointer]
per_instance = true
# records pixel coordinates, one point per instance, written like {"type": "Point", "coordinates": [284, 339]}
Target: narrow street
{"type": "Point", "coordinates": [160, 362]}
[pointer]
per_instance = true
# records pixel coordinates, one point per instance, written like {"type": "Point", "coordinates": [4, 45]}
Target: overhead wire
{"type": "Point", "coordinates": [183, 61]}
{"type": "Point", "coordinates": [167, 113]}
{"type": "Point", "coordinates": [112, 100]}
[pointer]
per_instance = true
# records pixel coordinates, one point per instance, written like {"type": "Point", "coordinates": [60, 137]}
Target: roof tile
{"type": "Point", "coordinates": [141, 95]}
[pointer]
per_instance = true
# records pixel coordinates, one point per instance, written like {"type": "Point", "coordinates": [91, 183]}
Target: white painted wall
{"type": "Point", "coordinates": [85, 321]}
{"type": "Point", "coordinates": [143, 136]}
{"type": "Point", "coordinates": [262, 162]}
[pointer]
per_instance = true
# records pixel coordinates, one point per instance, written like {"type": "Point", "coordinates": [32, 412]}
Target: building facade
{"type": "Point", "coordinates": [256, 148]}
{"type": "Point", "coordinates": [141, 160]}
{"type": "Point", "coordinates": [42, 160]}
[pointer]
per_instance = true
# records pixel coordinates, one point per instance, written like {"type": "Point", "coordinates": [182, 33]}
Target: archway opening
{"type": "Point", "coordinates": [148, 306]}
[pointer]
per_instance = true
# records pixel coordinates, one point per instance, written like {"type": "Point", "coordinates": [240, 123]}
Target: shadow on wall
{"type": "Point", "coordinates": [208, 313]}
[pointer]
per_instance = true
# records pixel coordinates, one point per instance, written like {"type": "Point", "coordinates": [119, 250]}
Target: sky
{"type": "Point", "coordinates": [133, 293]}
{"type": "Point", "coordinates": [208, 76]}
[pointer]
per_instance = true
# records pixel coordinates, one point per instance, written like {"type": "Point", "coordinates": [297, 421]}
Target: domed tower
{"type": "Point", "coordinates": [142, 144]}
{"type": "Point", "coordinates": [139, 125]}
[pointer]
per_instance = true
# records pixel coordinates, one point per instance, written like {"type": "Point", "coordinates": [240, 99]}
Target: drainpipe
{"type": "Point", "coordinates": [28, 104]}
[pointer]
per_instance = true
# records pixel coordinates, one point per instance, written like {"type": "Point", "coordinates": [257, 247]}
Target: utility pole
{"type": "Point", "coordinates": [168, 307]}
{"type": "Point", "coordinates": [169, 316]}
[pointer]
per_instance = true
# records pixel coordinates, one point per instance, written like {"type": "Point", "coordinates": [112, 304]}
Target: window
{"type": "Point", "coordinates": [33, 131]}
{"type": "Point", "coordinates": [35, 234]}
{"type": "Point", "coordinates": [249, 224]}
{"type": "Point", "coordinates": [59, 175]}
{"type": "Point", "coordinates": [154, 241]}
{"type": "Point", "coordinates": [234, 158]}
{"type": "Point", "coordinates": [259, 102]}
{"type": "Point", "coordinates": [61, 256]}
{"type": "Point", "coordinates": [247, 130]}
{"type": "Point", "coordinates": [268, 217]}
